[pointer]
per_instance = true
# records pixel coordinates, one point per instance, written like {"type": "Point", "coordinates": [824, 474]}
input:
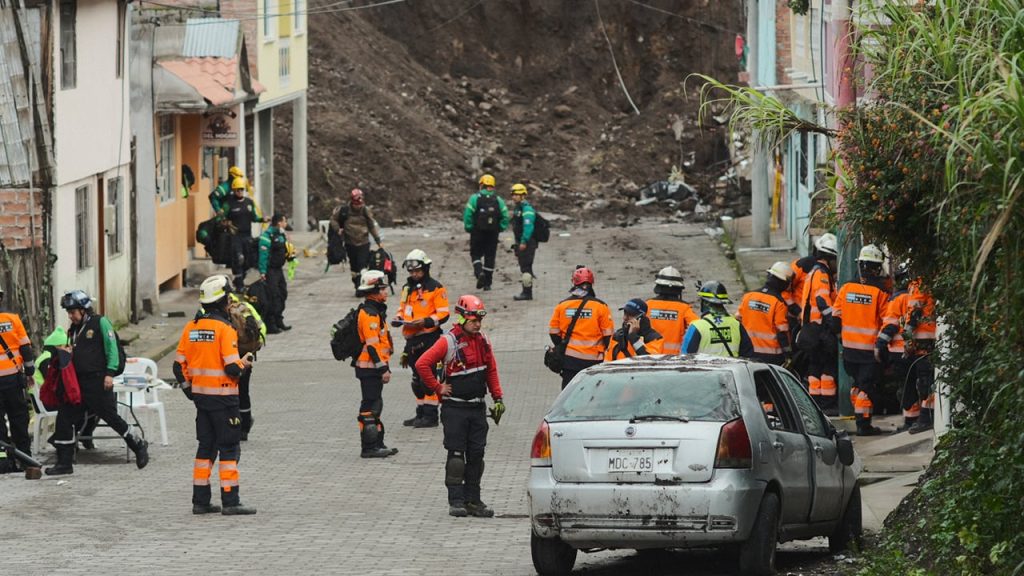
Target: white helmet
{"type": "Point", "coordinates": [415, 260]}
{"type": "Point", "coordinates": [782, 271]}
{"type": "Point", "coordinates": [370, 280]}
{"type": "Point", "coordinates": [827, 244]}
{"type": "Point", "coordinates": [670, 277]}
{"type": "Point", "coordinates": [213, 289]}
{"type": "Point", "coordinates": [871, 253]}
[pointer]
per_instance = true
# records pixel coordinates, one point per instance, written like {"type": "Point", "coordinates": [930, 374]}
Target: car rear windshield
{"type": "Point", "coordinates": [621, 395]}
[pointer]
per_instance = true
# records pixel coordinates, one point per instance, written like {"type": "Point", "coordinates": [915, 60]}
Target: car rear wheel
{"type": "Point", "coordinates": [551, 556]}
{"type": "Point", "coordinates": [850, 527]}
{"type": "Point", "coordinates": [757, 554]}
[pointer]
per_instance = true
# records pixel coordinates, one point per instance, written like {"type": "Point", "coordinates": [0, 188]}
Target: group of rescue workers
{"type": "Point", "coordinates": [796, 319]}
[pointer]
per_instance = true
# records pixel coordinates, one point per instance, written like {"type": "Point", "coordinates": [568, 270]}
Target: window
{"type": "Point", "coordinates": [68, 65]}
{"type": "Point", "coordinates": [268, 16]}
{"type": "Point", "coordinates": [814, 421]}
{"type": "Point", "coordinates": [119, 57]}
{"type": "Point", "coordinates": [115, 208]}
{"type": "Point", "coordinates": [82, 234]}
{"type": "Point", "coordinates": [773, 402]}
{"type": "Point", "coordinates": [166, 182]}
{"type": "Point", "coordinates": [284, 61]}
{"type": "Point", "coordinates": [298, 17]}
{"type": "Point", "coordinates": [284, 18]}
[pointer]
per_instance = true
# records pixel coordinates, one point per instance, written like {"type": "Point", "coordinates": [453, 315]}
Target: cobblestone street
{"type": "Point", "coordinates": [322, 509]}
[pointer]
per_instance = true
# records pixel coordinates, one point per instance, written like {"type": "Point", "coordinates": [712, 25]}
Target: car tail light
{"type": "Point", "coordinates": [734, 446]}
{"type": "Point", "coordinates": [540, 453]}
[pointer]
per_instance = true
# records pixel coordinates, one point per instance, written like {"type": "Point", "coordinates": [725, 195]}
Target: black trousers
{"type": "Point", "coordinates": [415, 347]}
{"type": "Point", "coordinates": [239, 245]}
{"type": "Point", "coordinates": [219, 433]}
{"type": "Point", "coordinates": [525, 257]}
{"type": "Point", "coordinates": [14, 408]}
{"type": "Point", "coordinates": [371, 428]}
{"type": "Point", "coordinates": [573, 366]}
{"type": "Point", "coordinates": [96, 401]}
{"type": "Point", "coordinates": [919, 380]}
{"type": "Point", "coordinates": [483, 246]}
{"type": "Point", "coordinates": [465, 437]}
{"type": "Point", "coordinates": [865, 377]}
{"type": "Point", "coordinates": [358, 258]}
{"type": "Point", "coordinates": [277, 293]}
{"type": "Point", "coordinates": [244, 399]}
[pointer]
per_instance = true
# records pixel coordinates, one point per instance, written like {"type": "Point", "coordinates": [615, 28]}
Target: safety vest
{"type": "Point", "coordinates": [428, 299]}
{"type": "Point", "coordinates": [801, 267]}
{"type": "Point", "coordinates": [924, 305]}
{"type": "Point", "coordinates": [763, 315]}
{"type": "Point", "coordinates": [819, 283]}
{"type": "Point", "coordinates": [670, 318]}
{"type": "Point", "coordinates": [467, 360]}
{"type": "Point", "coordinates": [206, 347]}
{"type": "Point", "coordinates": [595, 324]}
{"type": "Point", "coordinates": [618, 349]}
{"type": "Point", "coordinates": [861, 308]}
{"type": "Point", "coordinates": [14, 335]}
{"type": "Point", "coordinates": [718, 335]}
{"type": "Point", "coordinates": [893, 316]}
{"type": "Point", "coordinates": [373, 333]}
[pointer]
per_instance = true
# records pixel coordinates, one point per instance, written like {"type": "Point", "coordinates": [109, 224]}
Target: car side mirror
{"type": "Point", "coordinates": [844, 446]}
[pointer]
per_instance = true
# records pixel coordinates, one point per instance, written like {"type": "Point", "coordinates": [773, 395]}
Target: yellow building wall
{"type": "Point", "coordinates": [283, 32]}
{"type": "Point", "coordinates": [172, 226]}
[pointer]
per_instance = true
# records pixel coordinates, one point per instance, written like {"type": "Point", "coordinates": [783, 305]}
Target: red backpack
{"type": "Point", "coordinates": [60, 375]}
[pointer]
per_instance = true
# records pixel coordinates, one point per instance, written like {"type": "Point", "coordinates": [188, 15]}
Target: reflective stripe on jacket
{"type": "Point", "coordinates": [717, 335]}
{"type": "Point", "coordinates": [427, 299]}
{"type": "Point", "coordinates": [819, 283]}
{"type": "Point", "coordinates": [589, 333]}
{"type": "Point", "coordinates": [860, 308]}
{"type": "Point", "coordinates": [207, 345]}
{"type": "Point", "coordinates": [374, 334]}
{"type": "Point", "coordinates": [763, 315]}
{"type": "Point", "coordinates": [14, 335]}
{"type": "Point", "coordinates": [670, 318]}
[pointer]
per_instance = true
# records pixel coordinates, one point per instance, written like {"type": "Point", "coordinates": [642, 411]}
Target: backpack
{"type": "Point", "coordinates": [541, 229]}
{"type": "Point", "coordinates": [381, 260]}
{"type": "Point", "coordinates": [256, 294]}
{"type": "Point", "coordinates": [335, 249]}
{"type": "Point", "coordinates": [487, 217]}
{"type": "Point", "coordinates": [345, 342]}
{"type": "Point", "coordinates": [207, 232]}
{"type": "Point", "coordinates": [250, 337]}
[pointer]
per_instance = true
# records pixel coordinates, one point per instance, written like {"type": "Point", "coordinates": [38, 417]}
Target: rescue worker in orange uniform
{"type": "Point", "coordinates": [764, 315]}
{"type": "Point", "coordinates": [889, 346]}
{"type": "Point", "coordinates": [669, 315]}
{"type": "Point", "coordinates": [17, 366]}
{"type": "Point", "coordinates": [636, 337]}
{"type": "Point", "coordinates": [816, 340]}
{"type": "Point", "coordinates": [857, 316]}
{"type": "Point", "coordinates": [589, 339]}
{"type": "Point", "coordinates": [207, 366]}
{"type": "Point", "coordinates": [909, 327]}
{"type": "Point", "coordinates": [371, 365]}
{"type": "Point", "coordinates": [470, 373]}
{"type": "Point", "coordinates": [421, 313]}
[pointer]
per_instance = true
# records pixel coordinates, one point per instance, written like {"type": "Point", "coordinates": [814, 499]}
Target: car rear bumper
{"type": "Point", "coordinates": [608, 515]}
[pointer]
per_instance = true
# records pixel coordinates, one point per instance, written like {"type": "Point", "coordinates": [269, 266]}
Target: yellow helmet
{"type": "Point", "coordinates": [487, 180]}
{"type": "Point", "coordinates": [518, 189]}
{"type": "Point", "coordinates": [236, 172]}
{"type": "Point", "coordinates": [240, 182]}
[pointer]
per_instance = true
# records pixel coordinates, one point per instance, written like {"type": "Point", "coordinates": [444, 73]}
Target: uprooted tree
{"type": "Point", "coordinates": [932, 167]}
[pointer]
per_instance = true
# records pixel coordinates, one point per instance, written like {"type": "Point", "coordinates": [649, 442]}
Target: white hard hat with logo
{"type": "Point", "coordinates": [213, 289]}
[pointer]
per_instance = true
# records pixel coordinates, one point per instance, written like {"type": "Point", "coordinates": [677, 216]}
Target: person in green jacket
{"type": "Point", "coordinates": [523, 219]}
{"type": "Point", "coordinates": [222, 192]}
{"type": "Point", "coordinates": [485, 217]}
{"type": "Point", "coordinates": [273, 256]}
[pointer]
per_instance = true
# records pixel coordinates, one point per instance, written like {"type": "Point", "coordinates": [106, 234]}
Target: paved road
{"type": "Point", "coordinates": [323, 510]}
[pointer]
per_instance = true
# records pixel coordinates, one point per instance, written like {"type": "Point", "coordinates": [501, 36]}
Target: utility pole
{"type": "Point", "coordinates": [759, 208]}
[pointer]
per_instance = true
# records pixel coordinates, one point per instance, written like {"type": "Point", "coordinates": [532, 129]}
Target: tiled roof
{"type": "Point", "coordinates": [214, 78]}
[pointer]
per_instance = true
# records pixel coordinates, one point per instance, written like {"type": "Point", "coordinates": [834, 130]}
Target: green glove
{"type": "Point", "coordinates": [291, 268]}
{"type": "Point", "coordinates": [497, 411]}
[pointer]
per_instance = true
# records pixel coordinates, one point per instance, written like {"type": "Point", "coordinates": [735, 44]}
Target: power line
{"type": "Point", "coordinates": [456, 17]}
{"type": "Point", "coordinates": [694, 21]}
{"type": "Point", "coordinates": [600, 20]}
{"type": "Point", "coordinates": [330, 8]}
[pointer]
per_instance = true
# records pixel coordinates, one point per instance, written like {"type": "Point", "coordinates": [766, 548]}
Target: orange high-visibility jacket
{"type": "Point", "coordinates": [428, 299]}
{"type": "Point", "coordinates": [670, 318]}
{"type": "Point", "coordinates": [374, 335]}
{"type": "Point", "coordinates": [14, 335]}
{"type": "Point", "coordinates": [801, 268]}
{"type": "Point", "coordinates": [860, 308]}
{"type": "Point", "coordinates": [819, 283]}
{"type": "Point", "coordinates": [912, 308]}
{"type": "Point", "coordinates": [620, 346]}
{"type": "Point", "coordinates": [595, 324]}
{"type": "Point", "coordinates": [206, 347]}
{"type": "Point", "coordinates": [763, 315]}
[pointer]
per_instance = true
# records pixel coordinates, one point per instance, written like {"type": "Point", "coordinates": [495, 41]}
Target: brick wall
{"type": "Point", "coordinates": [16, 219]}
{"type": "Point", "coordinates": [243, 10]}
{"type": "Point", "coordinates": [783, 41]}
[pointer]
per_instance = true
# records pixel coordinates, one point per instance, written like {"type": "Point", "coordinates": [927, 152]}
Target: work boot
{"type": "Point", "coordinates": [526, 294]}
{"type": "Point", "coordinates": [236, 510]}
{"type": "Point", "coordinates": [88, 444]}
{"type": "Point", "coordinates": [424, 423]}
{"type": "Point", "coordinates": [283, 326]}
{"type": "Point", "coordinates": [865, 428]}
{"type": "Point", "coordinates": [205, 509]}
{"type": "Point", "coordinates": [273, 329]}
{"type": "Point", "coordinates": [376, 453]}
{"type": "Point", "coordinates": [457, 509]}
{"type": "Point", "coordinates": [65, 454]}
{"type": "Point", "coordinates": [141, 449]}
{"type": "Point", "coordinates": [479, 510]}
{"type": "Point", "coordinates": [411, 421]}
{"type": "Point", "coordinates": [924, 422]}
{"type": "Point", "coordinates": [60, 470]}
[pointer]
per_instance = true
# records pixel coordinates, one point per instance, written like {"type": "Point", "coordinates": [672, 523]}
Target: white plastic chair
{"type": "Point", "coordinates": [139, 391]}
{"type": "Point", "coordinates": [42, 417]}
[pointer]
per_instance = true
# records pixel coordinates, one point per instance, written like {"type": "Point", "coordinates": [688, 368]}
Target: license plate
{"type": "Point", "coordinates": [631, 460]}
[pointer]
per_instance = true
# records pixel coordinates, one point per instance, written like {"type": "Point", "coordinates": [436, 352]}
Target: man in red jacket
{"type": "Point", "coordinates": [470, 371]}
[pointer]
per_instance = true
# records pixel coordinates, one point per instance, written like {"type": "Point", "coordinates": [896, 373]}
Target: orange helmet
{"type": "Point", "coordinates": [470, 306]}
{"type": "Point", "coordinates": [582, 275]}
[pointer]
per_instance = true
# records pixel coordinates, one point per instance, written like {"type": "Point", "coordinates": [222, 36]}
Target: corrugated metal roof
{"type": "Point", "coordinates": [15, 112]}
{"type": "Point", "coordinates": [211, 38]}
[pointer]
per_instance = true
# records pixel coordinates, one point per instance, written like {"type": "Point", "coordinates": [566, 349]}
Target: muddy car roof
{"type": "Point", "coordinates": [670, 362]}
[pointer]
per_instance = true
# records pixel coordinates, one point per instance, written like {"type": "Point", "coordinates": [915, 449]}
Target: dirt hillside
{"type": "Point", "coordinates": [412, 101]}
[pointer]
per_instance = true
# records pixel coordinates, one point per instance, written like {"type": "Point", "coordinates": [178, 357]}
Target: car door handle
{"type": "Point", "coordinates": [778, 445]}
{"type": "Point", "coordinates": [818, 449]}
{"type": "Point", "coordinates": [559, 434]}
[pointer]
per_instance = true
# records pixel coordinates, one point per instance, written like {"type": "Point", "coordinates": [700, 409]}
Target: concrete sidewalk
{"type": "Point", "coordinates": [892, 463]}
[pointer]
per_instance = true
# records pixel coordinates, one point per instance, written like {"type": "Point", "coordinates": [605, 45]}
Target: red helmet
{"type": "Point", "coordinates": [357, 195]}
{"type": "Point", "coordinates": [470, 306]}
{"type": "Point", "coordinates": [582, 275]}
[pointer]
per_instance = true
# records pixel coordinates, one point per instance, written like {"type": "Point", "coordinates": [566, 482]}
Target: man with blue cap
{"type": "Point", "coordinates": [635, 337]}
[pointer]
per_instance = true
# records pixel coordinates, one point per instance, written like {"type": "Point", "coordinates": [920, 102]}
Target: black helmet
{"type": "Point", "coordinates": [75, 300]}
{"type": "Point", "coordinates": [713, 292]}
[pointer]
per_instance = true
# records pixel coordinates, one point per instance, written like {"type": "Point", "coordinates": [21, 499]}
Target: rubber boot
{"type": "Point", "coordinates": [474, 472]}
{"type": "Point", "coordinates": [205, 509]}
{"type": "Point", "coordinates": [65, 454]}
{"type": "Point", "coordinates": [526, 294]}
{"type": "Point", "coordinates": [864, 427]}
{"type": "Point", "coordinates": [924, 422]}
{"type": "Point", "coordinates": [232, 504]}
{"type": "Point", "coordinates": [457, 502]}
{"type": "Point", "coordinates": [380, 441]}
{"type": "Point", "coordinates": [141, 449]}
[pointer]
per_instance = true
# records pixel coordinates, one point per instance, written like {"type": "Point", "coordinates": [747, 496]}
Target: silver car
{"type": "Point", "coordinates": [688, 452]}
